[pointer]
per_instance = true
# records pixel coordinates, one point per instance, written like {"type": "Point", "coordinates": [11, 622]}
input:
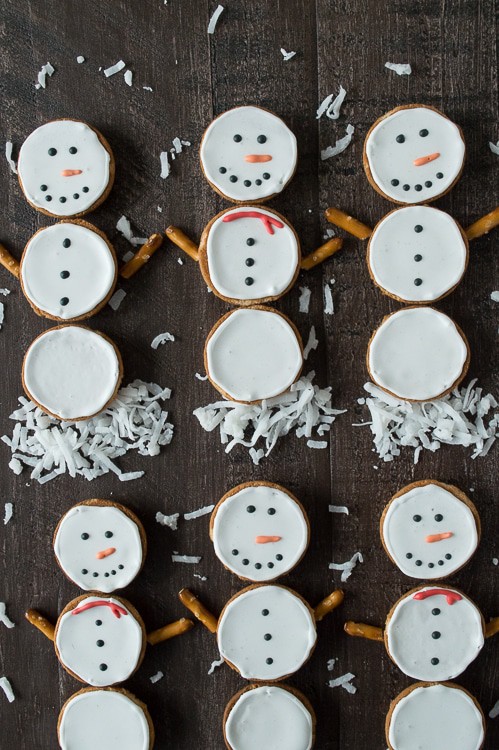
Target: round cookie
{"type": "Point", "coordinates": [434, 633]}
{"type": "Point", "coordinates": [100, 640]}
{"type": "Point", "coordinates": [100, 545]}
{"type": "Point", "coordinates": [266, 632]}
{"type": "Point", "coordinates": [65, 168]}
{"type": "Point", "coordinates": [248, 154]}
{"type": "Point", "coordinates": [249, 255]}
{"type": "Point", "coordinates": [276, 716]}
{"type": "Point", "coordinates": [427, 715]}
{"type": "Point", "coordinates": [430, 530]}
{"type": "Point", "coordinates": [417, 254]}
{"type": "Point", "coordinates": [418, 354]}
{"type": "Point", "coordinates": [413, 154]}
{"type": "Point", "coordinates": [72, 372]}
{"type": "Point", "coordinates": [68, 271]}
{"type": "Point", "coordinates": [105, 718]}
{"type": "Point", "coordinates": [260, 531]}
{"type": "Point", "coordinates": [253, 354]}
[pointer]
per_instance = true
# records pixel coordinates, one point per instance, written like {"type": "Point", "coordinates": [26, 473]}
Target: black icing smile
{"type": "Point", "coordinates": [258, 565]}
{"type": "Point", "coordinates": [247, 183]}
{"type": "Point", "coordinates": [419, 186]}
{"type": "Point", "coordinates": [106, 574]}
{"type": "Point", "coordinates": [63, 198]}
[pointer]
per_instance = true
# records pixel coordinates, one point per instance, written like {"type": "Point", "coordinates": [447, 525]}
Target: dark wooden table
{"type": "Point", "coordinates": [452, 48]}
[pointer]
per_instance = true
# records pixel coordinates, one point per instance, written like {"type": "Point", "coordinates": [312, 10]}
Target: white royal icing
{"type": "Point", "coordinates": [266, 611]}
{"type": "Point", "coordinates": [38, 169]}
{"type": "Point", "coordinates": [98, 547]}
{"type": "Point", "coordinates": [67, 270]}
{"type": "Point", "coordinates": [390, 160]}
{"type": "Point", "coordinates": [219, 151]}
{"type": "Point", "coordinates": [421, 630]}
{"type": "Point", "coordinates": [103, 720]}
{"type": "Point", "coordinates": [249, 257]}
{"type": "Point", "coordinates": [260, 533]}
{"type": "Point", "coordinates": [417, 254]}
{"type": "Point", "coordinates": [253, 354]}
{"type": "Point", "coordinates": [269, 717]}
{"type": "Point", "coordinates": [436, 716]}
{"type": "Point", "coordinates": [417, 354]}
{"type": "Point", "coordinates": [71, 372]}
{"type": "Point", "coordinates": [99, 647]}
{"type": "Point", "coordinates": [412, 522]}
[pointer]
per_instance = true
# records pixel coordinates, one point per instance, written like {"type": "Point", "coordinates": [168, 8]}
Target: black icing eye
{"type": "Point", "coordinates": [262, 138]}
{"type": "Point", "coordinates": [418, 282]}
{"type": "Point", "coordinates": [250, 261]}
{"type": "Point", "coordinates": [65, 301]}
{"type": "Point", "coordinates": [269, 661]}
{"type": "Point", "coordinates": [439, 517]}
{"type": "Point", "coordinates": [85, 189]}
{"type": "Point", "coordinates": [84, 571]}
{"type": "Point", "coordinates": [99, 643]}
{"type": "Point", "coordinates": [66, 243]}
{"type": "Point", "coordinates": [235, 552]}
{"type": "Point", "coordinates": [98, 622]}
{"type": "Point", "coordinates": [251, 508]}
{"type": "Point", "coordinates": [73, 150]}
{"type": "Point", "coordinates": [267, 636]}
{"type": "Point", "coordinates": [258, 182]}
{"type": "Point", "coordinates": [418, 563]}
{"type": "Point", "coordinates": [238, 138]}
{"type": "Point", "coordinates": [265, 612]}
{"type": "Point", "coordinates": [271, 511]}
{"type": "Point", "coordinates": [85, 536]}
{"type": "Point", "coordinates": [102, 667]}
{"type": "Point", "coordinates": [423, 133]}
{"type": "Point", "coordinates": [52, 151]}
{"type": "Point", "coordinates": [400, 138]}
{"type": "Point", "coordinates": [416, 518]}
{"type": "Point", "coordinates": [48, 198]}
{"type": "Point", "coordinates": [418, 258]}
{"type": "Point", "coordinates": [435, 661]}
{"type": "Point", "coordinates": [250, 241]}
{"type": "Point", "coordinates": [64, 274]}
{"type": "Point", "coordinates": [108, 534]}
{"type": "Point", "coordinates": [43, 188]}
{"type": "Point", "coordinates": [418, 228]}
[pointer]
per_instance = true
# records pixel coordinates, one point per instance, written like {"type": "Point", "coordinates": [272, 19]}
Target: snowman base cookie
{"type": "Point", "coordinates": [105, 718]}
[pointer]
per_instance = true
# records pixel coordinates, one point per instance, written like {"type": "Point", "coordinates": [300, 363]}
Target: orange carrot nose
{"type": "Point", "coordinates": [105, 553]}
{"type": "Point", "coordinates": [267, 539]}
{"type": "Point", "coordinates": [255, 158]}
{"type": "Point", "coordinates": [438, 537]}
{"type": "Point", "coordinates": [70, 172]}
{"type": "Point", "coordinates": [425, 159]}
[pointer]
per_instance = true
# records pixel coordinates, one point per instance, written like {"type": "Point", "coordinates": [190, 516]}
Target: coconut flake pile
{"type": "Point", "coordinates": [7, 689]}
{"type": "Point", "coordinates": [45, 70]}
{"type": "Point", "coordinates": [332, 107]}
{"type": "Point", "coordinates": [166, 156]}
{"type": "Point", "coordinates": [348, 566]}
{"type": "Point", "coordinates": [8, 155]}
{"type": "Point", "coordinates": [287, 55]}
{"type": "Point", "coordinates": [135, 420]}
{"type": "Point", "coordinates": [214, 19]}
{"type": "Point", "coordinates": [340, 145]}
{"type": "Point", "coordinates": [303, 408]}
{"type": "Point", "coordinates": [401, 69]}
{"type": "Point", "coordinates": [464, 417]}
{"type": "Point", "coordinates": [124, 227]}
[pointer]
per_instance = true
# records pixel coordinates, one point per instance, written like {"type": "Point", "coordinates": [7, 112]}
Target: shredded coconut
{"type": "Point", "coordinates": [2, 314]}
{"type": "Point", "coordinates": [162, 338]}
{"type": "Point", "coordinates": [128, 76]}
{"type": "Point", "coordinates": [198, 513]}
{"type": "Point", "coordinates": [117, 299]}
{"type": "Point", "coordinates": [256, 455]}
{"type": "Point", "coordinates": [200, 377]}
{"type": "Point", "coordinates": [318, 444]}
{"type": "Point", "coordinates": [180, 261]}
{"type": "Point", "coordinates": [328, 300]}
{"type": "Point", "coordinates": [166, 156]}
{"type": "Point", "coordinates": [147, 88]}
{"type": "Point", "coordinates": [304, 300]}
{"type": "Point", "coordinates": [340, 145]}
{"type": "Point", "coordinates": [287, 55]}
{"type": "Point", "coordinates": [339, 509]}
{"type": "Point", "coordinates": [170, 521]}
{"type": "Point", "coordinates": [494, 711]}
{"type": "Point", "coordinates": [348, 566]}
{"type": "Point", "coordinates": [9, 510]}
{"type": "Point", "coordinates": [215, 664]}
{"type": "Point", "coordinates": [331, 108]}
{"type": "Point", "coordinates": [214, 18]}
{"type": "Point", "coordinates": [80, 59]}
{"type": "Point", "coordinates": [495, 561]}
{"type": "Point", "coordinates": [345, 681]}
{"type": "Point", "coordinates": [8, 155]}
{"type": "Point", "coordinates": [4, 292]}
{"type": "Point", "coordinates": [312, 343]}
{"type": "Point", "coordinates": [114, 68]}
{"type": "Point", "coordinates": [330, 664]}
{"type": "Point", "coordinates": [4, 619]}
{"type": "Point", "coordinates": [128, 256]}
{"type": "Point", "coordinates": [7, 689]}
{"type": "Point", "coordinates": [124, 227]}
{"type": "Point", "coordinates": [494, 296]}
{"type": "Point", "coordinates": [494, 147]}
{"type": "Point", "coordinates": [45, 70]}
{"type": "Point", "coordinates": [401, 69]}
{"type": "Point", "coordinates": [156, 677]}
{"type": "Point", "coordinates": [190, 559]}
{"type": "Point", "coordinates": [89, 448]}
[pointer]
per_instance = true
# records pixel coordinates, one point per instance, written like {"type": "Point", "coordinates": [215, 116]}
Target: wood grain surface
{"type": "Point", "coordinates": [452, 48]}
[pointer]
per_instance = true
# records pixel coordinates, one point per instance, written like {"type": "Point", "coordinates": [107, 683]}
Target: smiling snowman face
{"type": "Point", "coordinates": [259, 532]}
{"type": "Point", "coordinates": [248, 154]}
{"type": "Point", "coordinates": [250, 255]}
{"type": "Point", "coordinates": [434, 633]}
{"type": "Point", "coordinates": [417, 254]}
{"type": "Point", "coordinates": [414, 154]}
{"type": "Point", "coordinates": [266, 632]}
{"type": "Point", "coordinates": [68, 270]}
{"type": "Point", "coordinates": [100, 641]}
{"type": "Point", "coordinates": [99, 547]}
{"type": "Point", "coordinates": [64, 168]}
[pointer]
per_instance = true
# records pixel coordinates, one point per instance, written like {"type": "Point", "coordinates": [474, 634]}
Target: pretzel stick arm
{"type": "Point", "coordinates": [9, 262]}
{"type": "Point", "coordinates": [181, 240]}
{"type": "Point", "coordinates": [41, 622]}
{"type": "Point", "coordinates": [170, 631]}
{"type": "Point", "coordinates": [198, 610]}
{"type": "Point", "coordinates": [348, 223]}
{"type": "Point", "coordinates": [328, 604]}
{"type": "Point", "coordinates": [142, 256]}
{"type": "Point", "coordinates": [492, 627]}
{"type": "Point", "coordinates": [359, 630]}
{"type": "Point", "coordinates": [324, 251]}
{"type": "Point", "coordinates": [483, 225]}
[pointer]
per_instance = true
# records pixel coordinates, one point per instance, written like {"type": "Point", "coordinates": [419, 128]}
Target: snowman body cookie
{"type": "Point", "coordinates": [66, 168]}
{"type": "Point", "coordinates": [248, 154]}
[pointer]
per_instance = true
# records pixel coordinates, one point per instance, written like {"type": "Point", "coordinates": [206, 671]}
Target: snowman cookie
{"type": "Point", "coordinates": [105, 718]}
{"type": "Point", "coordinates": [431, 633]}
{"type": "Point", "coordinates": [418, 354]}
{"type": "Point", "coordinates": [100, 545]}
{"type": "Point", "coordinates": [413, 154]}
{"type": "Point", "coordinates": [260, 531]}
{"type": "Point", "coordinates": [248, 154]}
{"type": "Point", "coordinates": [65, 168]}
{"type": "Point", "coordinates": [265, 632]}
{"type": "Point", "coordinates": [426, 716]}
{"type": "Point", "coordinates": [253, 354]}
{"type": "Point", "coordinates": [276, 716]}
{"type": "Point", "coordinates": [430, 530]}
{"type": "Point", "coordinates": [72, 372]}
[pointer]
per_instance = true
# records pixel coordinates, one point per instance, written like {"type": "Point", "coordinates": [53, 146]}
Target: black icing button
{"type": "Point", "coordinates": [265, 612]}
{"type": "Point", "coordinates": [64, 301]}
{"type": "Point", "coordinates": [423, 133]}
{"type": "Point", "coordinates": [418, 282]}
{"type": "Point", "coordinates": [66, 242]}
{"type": "Point", "coordinates": [249, 281]}
{"type": "Point", "coordinates": [418, 228]}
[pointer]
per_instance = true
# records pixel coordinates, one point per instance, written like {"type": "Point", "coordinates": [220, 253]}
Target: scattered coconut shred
{"type": "Point", "coordinates": [166, 156]}
{"type": "Point", "coordinates": [214, 19]}
{"type": "Point", "coordinates": [460, 418]}
{"type": "Point", "coordinates": [113, 69]}
{"type": "Point", "coordinates": [45, 70]}
{"type": "Point", "coordinates": [303, 408]}
{"type": "Point", "coordinates": [135, 420]}
{"type": "Point", "coordinates": [117, 299]}
{"type": "Point", "coordinates": [304, 300]}
{"type": "Point", "coordinates": [189, 559]}
{"type": "Point", "coordinates": [170, 521]}
{"type": "Point", "coordinates": [287, 55]}
{"type": "Point", "coordinates": [198, 513]}
{"type": "Point", "coordinates": [7, 689]}
{"type": "Point", "coordinates": [341, 145]}
{"type": "Point", "coordinates": [345, 681]}
{"type": "Point", "coordinates": [401, 69]}
{"type": "Point", "coordinates": [348, 566]}
{"type": "Point", "coordinates": [4, 619]}
{"type": "Point", "coordinates": [494, 147]}
{"type": "Point", "coordinates": [494, 711]}
{"type": "Point", "coordinates": [9, 512]}
{"type": "Point", "coordinates": [157, 677]}
{"type": "Point", "coordinates": [124, 227]}
{"type": "Point", "coordinates": [162, 338]}
{"type": "Point", "coordinates": [215, 664]}
{"type": "Point", "coordinates": [8, 155]}
{"type": "Point", "coordinates": [331, 108]}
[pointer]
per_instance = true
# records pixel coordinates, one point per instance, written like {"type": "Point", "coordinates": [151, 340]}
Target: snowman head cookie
{"type": "Point", "coordinates": [276, 716]}
{"type": "Point", "coordinates": [68, 271]}
{"type": "Point", "coordinates": [66, 168]}
{"type": "Point", "coordinates": [260, 531]}
{"type": "Point", "coordinates": [100, 545]}
{"type": "Point", "coordinates": [248, 154]}
{"type": "Point", "coordinates": [413, 154]}
{"type": "Point", "coordinates": [430, 530]}
{"type": "Point", "coordinates": [105, 718]}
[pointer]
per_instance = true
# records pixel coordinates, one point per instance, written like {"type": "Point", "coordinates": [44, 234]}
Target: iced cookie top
{"type": "Point", "coordinates": [64, 168]}
{"type": "Point", "coordinates": [414, 154]}
{"type": "Point", "coordinates": [248, 154]}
